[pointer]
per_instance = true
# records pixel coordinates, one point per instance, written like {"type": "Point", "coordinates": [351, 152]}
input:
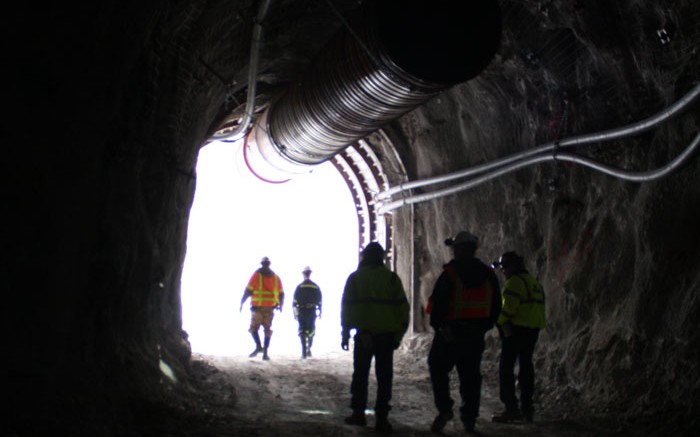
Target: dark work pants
{"type": "Point", "coordinates": [307, 321]}
{"type": "Point", "coordinates": [464, 353]}
{"type": "Point", "coordinates": [381, 347]}
{"type": "Point", "coordinates": [520, 346]}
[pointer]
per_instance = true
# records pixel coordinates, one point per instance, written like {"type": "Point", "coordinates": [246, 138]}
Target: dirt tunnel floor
{"type": "Point", "coordinates": [288, 396]}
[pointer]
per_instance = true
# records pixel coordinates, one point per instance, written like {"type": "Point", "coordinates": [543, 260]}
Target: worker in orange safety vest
{"type": "Point", "coordinates": [266, 295]}
{"type": "Point", "coordinates": [464, 305]}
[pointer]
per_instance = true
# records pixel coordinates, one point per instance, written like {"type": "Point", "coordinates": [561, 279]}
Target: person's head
{"type": "Point", "coordinates": [463, 244]}
{"type": "Point", "coordinates": [265, 262]}
{"type": "Point", "coordinates": [373, 253]}
{"type": "Point", "coordinates": [306, 272]}
{"type": "Point", "coordinates": [510, 264]}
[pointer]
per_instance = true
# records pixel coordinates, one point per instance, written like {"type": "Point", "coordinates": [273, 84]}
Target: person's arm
{"type": "Point", "coordinates": [496, 299]}
{"type": "Point", "coordinates": [439, 302]}
{"type": "Point", "coordinates": [249, 288]}
{"type": "Point", "coordinates": [345, 312]}
{"type": "Point", "coordinates": [246, 294]}
{"type": "Point", "coordinates": [295, 303]}
{"type": "Point", "coordinates": [511, 302]}
{"type": "Point", "coordinates": [404, 311]}
{"type": "Point", "coordinates": [320, 301]}
{"type": "Point", "coordinates": [280, 295]}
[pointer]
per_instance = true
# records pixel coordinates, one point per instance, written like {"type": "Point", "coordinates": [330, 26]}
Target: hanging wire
{"type": "Point", "coordinates": [246, 122]}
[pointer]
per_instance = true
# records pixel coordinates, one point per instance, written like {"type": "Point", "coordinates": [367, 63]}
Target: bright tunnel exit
{"type": "Point", "coordinates": [235, 220]}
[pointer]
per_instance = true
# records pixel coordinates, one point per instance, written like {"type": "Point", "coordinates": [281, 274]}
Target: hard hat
{"type": "Point", "coordinates": [265, 260]}
{"type": "Point", "coordinates": [511, 260]}
{"type": "Point", "coordinates": [463, 237]}
{"type": "Point", "coordinates": [373, 248]}
{"type": "Point", "coordinates": [306, 269]}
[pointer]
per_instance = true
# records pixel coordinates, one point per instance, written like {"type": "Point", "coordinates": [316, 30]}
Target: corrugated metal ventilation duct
{"type": "Point", "coordinates": [390, 58]}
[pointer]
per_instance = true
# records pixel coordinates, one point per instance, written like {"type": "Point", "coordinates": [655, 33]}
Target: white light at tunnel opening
{"type": "Point", "coordinates": [235, 220]}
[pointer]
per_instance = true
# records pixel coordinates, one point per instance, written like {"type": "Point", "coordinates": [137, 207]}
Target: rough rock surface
{"type": "Point", "coordinates": [616, 257]}
{"type": "Point", "coordinates": [110, 102]}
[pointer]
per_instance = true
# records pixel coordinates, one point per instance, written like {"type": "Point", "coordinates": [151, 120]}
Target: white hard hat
{"type": "Point", "coordinates": [463, 237]}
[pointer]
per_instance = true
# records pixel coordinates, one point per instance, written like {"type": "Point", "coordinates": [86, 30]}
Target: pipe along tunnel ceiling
{"type": "Point", "coordinates": [365, 77]}
{"type": "Point", "coordinates": [572, 141]}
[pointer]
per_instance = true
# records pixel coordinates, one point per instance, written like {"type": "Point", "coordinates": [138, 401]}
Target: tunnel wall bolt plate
{"type": "Point", "coordinates": [664, 36]}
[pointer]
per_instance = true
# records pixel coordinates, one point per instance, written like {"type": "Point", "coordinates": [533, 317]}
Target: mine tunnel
{"type": "Point", "coordinates": [564, 130]}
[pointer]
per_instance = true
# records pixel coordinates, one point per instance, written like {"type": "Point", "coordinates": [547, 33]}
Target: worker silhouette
{"type": "Point", "coordinates": [519, 325]}
{"type": "Point", "coordinates": [307, 306]}
{"type": "Point", "coordinates": [464, 305]}
{"type": "Point", "coordinates": [374, 304]}
{"type": "Point", "coordinates": [266, 294]}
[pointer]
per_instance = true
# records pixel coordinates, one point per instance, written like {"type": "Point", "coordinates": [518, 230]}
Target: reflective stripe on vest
{"type": "Point", "coordinates": [466, 302]}
{"type": "Point", "coordinates": [531, 298]}
{"type": "Point", "coordinates": [303, 285]}
{"type": "Point", "coordinates": [531, 311]}
{"type": "Point", "coordinates": [265, 298]}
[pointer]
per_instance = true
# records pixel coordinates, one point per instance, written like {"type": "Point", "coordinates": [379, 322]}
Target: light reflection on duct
{"type": "Point", "coordinates": [392, 56]}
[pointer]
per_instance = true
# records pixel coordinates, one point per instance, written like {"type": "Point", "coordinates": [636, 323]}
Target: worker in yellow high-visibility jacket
{"type": "Point", "coordinates": [266, 295]}
{"type": "Point", "coordinates": [374, 305]}
{"type": "Point", "coordinates": [519, 324]}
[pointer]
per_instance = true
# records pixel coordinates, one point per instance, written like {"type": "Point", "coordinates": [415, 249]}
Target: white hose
{"type": "Point", "coordinates": [550, 152]}
{"type": "Point", "coordinates": [622, 132]}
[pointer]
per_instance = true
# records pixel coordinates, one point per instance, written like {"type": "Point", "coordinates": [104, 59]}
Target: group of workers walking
{"type": "Point", "coordinates": [267, 295]}
{"type": "Point", "coordinates": [466, 302]}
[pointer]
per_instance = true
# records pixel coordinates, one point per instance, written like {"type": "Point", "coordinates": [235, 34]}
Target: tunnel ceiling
{"type": "Point", "coordinates": [110, 103]}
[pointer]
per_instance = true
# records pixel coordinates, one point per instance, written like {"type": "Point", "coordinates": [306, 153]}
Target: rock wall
{"type": "Point", "coordinates": [107, 119]}
{"type": "Point", "coordinates": [619, 260]}
{"type": "Point", "coordinates": [109, 104]}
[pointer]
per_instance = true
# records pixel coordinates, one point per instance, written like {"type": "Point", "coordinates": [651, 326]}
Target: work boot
{"type": "Point", "coordinates": [356, 418]}
{"type": "Point", "coordinates": [469, 427]}
{"type": "Point", "coordinates": [304, 349]}
{"type": "Point", "coordinates": [258, 346]}
{"type": "Point", "coordinates": [508, 416]}
{"type": "Point", "coordinates": [383, 426]}
{"type": "Point", "coordinates": [441, 420]}
{"type": "Point", "coordinates": [310, 341]}
{"type": "Point", "coordinates": [266, 357]}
